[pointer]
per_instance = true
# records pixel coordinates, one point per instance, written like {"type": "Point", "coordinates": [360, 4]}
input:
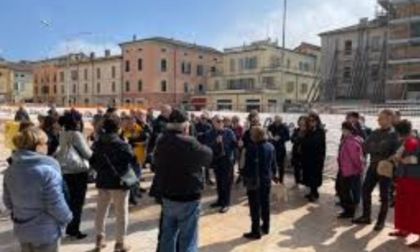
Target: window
{"type": "Point", "coordinates": [250, 63]}
{"type": "Point", "coordinates": [113, 86]}
{"type": "Point", "coordinates": [127, 86]}
{"type": "Point", "coordinates": [86, 88]}
{"type": "Point", "coordinates": [348, 47]}
{"type": "Point", "coordinates": [61, 76]}
{"type": "Point", "coordinates": [374, 72]}
{"type": "Point", "coordinates": [216, 85]}
{"type": "Point", "coordinates": [163, 65]}
{"type": "Point", "coordinates": [98, 73]}
{"type": "Point", "coordinates": [55, 89]}
{"type": "Point", "coordinates": [241, 64]}
{"type": "Point", "coordinates": [62, 89]}
{"type": "Point", "coordinates": [224, 104]}
{"type": "Point", "coordinates": [55, 78]}
{"type": "Point", "coordinates": [213, 69]}
{"type": "Point", "coordinates": [303, 88]}
{"type": "Point", "coordinates": [232, 65]}
{"type": "Point", "coordinates": [200, 88]}
{"type": "Point", "coordinates": [127, 66]}
{"type": "Point", "coordinates": [347, 73]}
{"type": "Point", "coordinates": [186, 87]}
{"type": "Point", "coordinates": [113, 72]}
{"type": "Point", "coordinates": [241, 84]}
{"type": "Point", "coordinates": [200, 70]}
{"type": "Point", "coordinates": [140, 85]}
{"type": "Point", "coordinates": [163, 50]}
{"type": "Point", "coordinates": [288, 63]}
{"type": "Point", "coordinates": [186, 68]}
{"type": "Point", "coordinates": [140, 64]}
{"type": "Point", "coordinates": [290, 87]}
{"type": "Point", "coordinates": [73, 75]}
{"type": "Point", "coordinates": [163, 86]}
{"type": "Point", "coordinates": [415, 29]}
{"type": "Point", "coordinates": [85, 74]}
{"type": "Point", "coordinates": [376, 44]}
{"type": "Point", "coordinates": [86, 101]}
{"type": "Point", "coordinates": [98, 88]}
{"type": "Point", "coordinates": [200, 57]}
{"type": "Point", "coordinates": [252, 104]}
{"type": "Point", "coordinates": [74, 88]}
{"type": "Point", "coordinates": [269, 82]}
{"type": "Point", "coordinates": [36, 90]}
{"type": "Point", "coordinates": [35, 79]}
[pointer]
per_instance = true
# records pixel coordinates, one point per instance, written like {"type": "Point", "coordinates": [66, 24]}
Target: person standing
{"type": "Point", "coordinates": [179, 160]}
{"type": "Point", "coordinates": [73, 155]}
{"type": "Point", "coordinates": [201, 128]}
{"type": "Point", "coordinates": [22, 114]}
{"type": "Point", "coordinates": [260, 165]}
{"type": "Point", "coordinates": [313, 156]}
{"type": "Point", "coordinates": [33, 191]}
{"type": "Point", "coordinates": [52, 129]}
{"type": "Point", "coordinates": [381, 145]}
{"type": "Point", "coordinates": [350, 160]}
{"type": "Point", "coordinates": [297, 139]}
{"type": "Point", "coordinates": [112, 157]}
{"type": "Point", "coordinates": [222, 142]}
{"type": "Point", "coordinates": [407, 204]}
{"type": "Point", "coordinates": [279, 135]}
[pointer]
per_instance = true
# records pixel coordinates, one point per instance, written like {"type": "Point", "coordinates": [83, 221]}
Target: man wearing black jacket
{"type": "Point", "coordinates": [179, 160]}
{"type": "Point", "coordinates": [279, 135]}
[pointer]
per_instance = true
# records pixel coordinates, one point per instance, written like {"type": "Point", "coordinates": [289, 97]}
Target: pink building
{"type": "Point", "coordinates": [160, 70]}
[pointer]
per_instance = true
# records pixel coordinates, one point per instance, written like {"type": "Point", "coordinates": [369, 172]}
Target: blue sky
{"type": "Point", "coordinates": [218, 23]}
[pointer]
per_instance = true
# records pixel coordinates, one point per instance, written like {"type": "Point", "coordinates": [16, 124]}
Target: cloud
{"type": "Point", "coordinates": [305, 20]}
{"type": "Point", "coordinates": [84, 46]}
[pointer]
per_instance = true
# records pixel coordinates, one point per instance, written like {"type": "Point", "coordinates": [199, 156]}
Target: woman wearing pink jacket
{"type": "Point", "coordinates": [350, 161]}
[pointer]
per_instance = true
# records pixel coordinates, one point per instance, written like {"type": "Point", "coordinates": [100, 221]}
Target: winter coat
{"type": "Point", "coordinates": [179, 162]}
{"type": "Point", "coordinates": [138, 138]}
{"type": "Point", "coordinates": [22, 115]}
{"type": "Point", "coordinates": [109, 152]}
{"type": "Point", "coordinates": [159, 126]}
{"type": "Point", "coordinates": [281, 136]}
{"type": "Point", "coordinates": [33, 191]}
{"type": "Point", "coordinates": [350, 156]}
{"type": "Point", "coordinates": [381, 144]}
{"type": "Point", "coordinates": [224, 150]}
{"type": "Point", "coordinates": [313, 157]}
{"type": "Point", "coordinates": [260, 165]}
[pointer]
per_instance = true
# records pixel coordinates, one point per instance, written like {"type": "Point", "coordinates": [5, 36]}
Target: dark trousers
{"type": "Point", "coordinates": [77, 187]}
{"type": "Point", "coordinates": [223, 171]}
{"type": "Point", "coordinates": [280, 156]}
{"type": "Point", "coordinates": [259, 206]}
{"type": "Point", "coordinates": [350, 192]}
{"type": "Point", "coordinates": [207, 176]}
{"type": "Point", "coordinates": [371, 180]}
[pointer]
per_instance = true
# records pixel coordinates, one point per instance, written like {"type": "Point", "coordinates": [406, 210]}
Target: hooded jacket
{"type": "Point", "coordinates": [33, 191]}
{"type": "Point", "coordinates": [350, 157]}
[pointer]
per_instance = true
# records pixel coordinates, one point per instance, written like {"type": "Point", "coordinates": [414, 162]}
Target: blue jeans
{"type": "Point", "coordinates": [180, 225]}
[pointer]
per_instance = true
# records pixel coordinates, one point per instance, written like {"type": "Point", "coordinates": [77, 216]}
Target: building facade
{"type": "Point", "coordinates": [263, 76]}
{"type": "Point", "coordinates": [23, 88]}
{"type": "Point", "coordinates": [161, 70]}
{"type": "Point", "coordinates": [403, 82]}
{"type": "Point", "coordinates": [90, 80]}
{"type": "Point", "coordinates": [353, 62]}
{"type": "Point", "coordinates": [6, 80]}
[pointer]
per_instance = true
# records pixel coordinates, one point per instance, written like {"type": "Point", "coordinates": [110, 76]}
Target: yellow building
{"type": "Point", "coordinates": [6, 79]}
{"type": "Point", "coordinates": [263, 76]}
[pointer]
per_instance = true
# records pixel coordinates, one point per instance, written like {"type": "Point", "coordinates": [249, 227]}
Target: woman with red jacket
{"type": "Point", "coordinates": [350, 161]}
{"type": "Point", "coordinates": [407, 173]}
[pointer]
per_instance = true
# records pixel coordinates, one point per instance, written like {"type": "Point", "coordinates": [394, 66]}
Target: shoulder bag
{"type": "Point", "coordinates": [128, 179]}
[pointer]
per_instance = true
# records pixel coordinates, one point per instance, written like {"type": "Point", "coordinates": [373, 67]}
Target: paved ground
{"type": "Point", "coordinates": [296, 226]}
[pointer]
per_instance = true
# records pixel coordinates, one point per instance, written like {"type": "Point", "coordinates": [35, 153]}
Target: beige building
{"type": "Point", "coordinates": [353, 60]}
{"type": "Point", "coordinates": [253, 77]}
{"type": "Point", "coordinates": [16, 82]}
{"type": "Point", "coordinates": [89, 80]}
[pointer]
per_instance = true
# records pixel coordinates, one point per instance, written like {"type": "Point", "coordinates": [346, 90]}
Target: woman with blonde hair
{"type": "Point", "coordinates": [260, 163]}
{"type": "Point", "coordinates": [33, 191]}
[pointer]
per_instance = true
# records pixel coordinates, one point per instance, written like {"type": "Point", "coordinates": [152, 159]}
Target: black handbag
{"type": "Point", "coordinates": [128, 179]}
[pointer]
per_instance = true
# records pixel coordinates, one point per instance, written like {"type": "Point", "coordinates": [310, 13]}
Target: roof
{"type": "Point", "coordinates": [175, 43]}
{"type": "Point", "coordinates": [364, 23]}
{"type": "Point", "coordinates": [308, 45]}
{"type": "Point", "coordinates": [22, 66]}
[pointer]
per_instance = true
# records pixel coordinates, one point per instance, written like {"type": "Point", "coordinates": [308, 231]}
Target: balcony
{"type": "Point", "coordinates": [405, 41]}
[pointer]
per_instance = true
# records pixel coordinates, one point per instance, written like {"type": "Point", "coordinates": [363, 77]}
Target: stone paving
{"type": "Point", "coordinates": [296, 225]}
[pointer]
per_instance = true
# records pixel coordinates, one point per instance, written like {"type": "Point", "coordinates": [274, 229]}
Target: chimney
{"type": "Point", "coordinates": [107, 53]}
{"type": "Point", "coordinates": [92, 55]}
{"type": "Point", "coordinates": [134, 37]}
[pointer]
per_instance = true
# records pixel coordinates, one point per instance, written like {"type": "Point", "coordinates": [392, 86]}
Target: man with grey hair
{"type": "Point", "coordinates": [223, 143]}
{"type": "Point", "coordinates": [179, 160]}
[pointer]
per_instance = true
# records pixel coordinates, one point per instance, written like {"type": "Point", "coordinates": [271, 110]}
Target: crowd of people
{"type": "Point", "coordinates": [46, 184]}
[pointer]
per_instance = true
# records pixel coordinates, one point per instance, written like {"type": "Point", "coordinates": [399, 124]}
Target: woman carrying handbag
{"type": "Point", "coordinates": [73, 155]}
{"type": "Point", "coordinates": [113, 159]}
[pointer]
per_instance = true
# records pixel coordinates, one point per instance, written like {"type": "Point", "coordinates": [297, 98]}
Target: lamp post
{"type": "Point", "coordinates": [283, 41]}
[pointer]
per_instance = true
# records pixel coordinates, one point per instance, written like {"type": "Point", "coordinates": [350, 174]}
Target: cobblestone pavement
{"type": "Point", "coordinates": [296, 225]}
